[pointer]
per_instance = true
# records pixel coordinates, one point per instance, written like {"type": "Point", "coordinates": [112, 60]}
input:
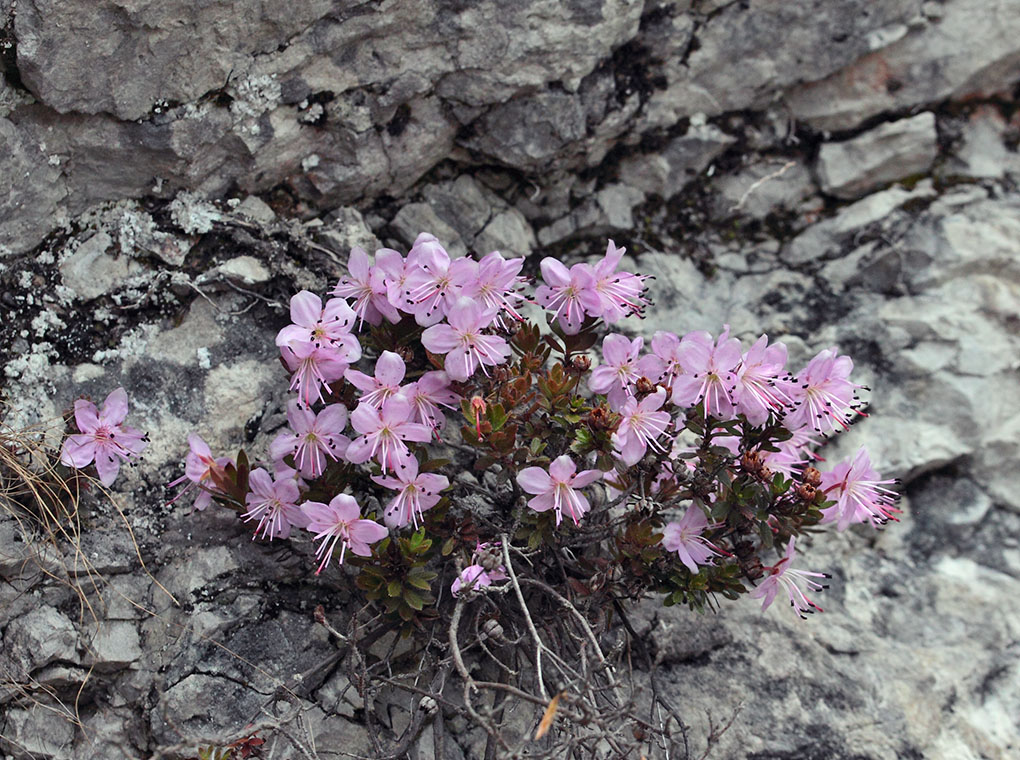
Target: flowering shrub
{"type": "Point", "coordinates": [447, 426]}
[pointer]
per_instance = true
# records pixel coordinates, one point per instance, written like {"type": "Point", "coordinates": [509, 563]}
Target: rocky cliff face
{"type": "Point", "coordinates": [839, 172]}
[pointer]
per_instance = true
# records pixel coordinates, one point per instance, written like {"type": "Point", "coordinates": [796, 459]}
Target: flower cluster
{"type": "Point", "coordinates": [682, 461]}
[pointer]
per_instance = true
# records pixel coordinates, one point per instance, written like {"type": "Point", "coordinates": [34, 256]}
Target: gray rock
{"type": "Point", "coordinates": [113, 645]}
{"type": "Point", "coordinates": [664, 173]}
{"type": "Point", "coordinates": [32, 190]}
{"type": "Point", "coordinates": [877, 157]}
{"type": "Point", "coordinates": [201, 705]}
{"type": "Point", "coordinates": [773, 42]}
{"type": "Point", "coordinates": [36, 639]}
{"type": "Point", "coordinates": [825, 239]}
{"type": "Point", "coordinates": [932, 62]}
{"type": "Point", "coordinates": [507, 232]}
{"type": "Point", "coordinates": [531, 132]}
{"type": "Point", "coordinates": [982, 152]}
{"type": "Point", "coordinates": [416, 218]}
{"type": "Point", "coordinates": [141, 57]}
{"type": "Point", "coordinates": [774, 185]}
{"type": "Point", "coordinates": [40, 730]}
{"type": "Point", "coordinates": [463, 204]}
{"type": "Point", "coordinates": [91, 272]}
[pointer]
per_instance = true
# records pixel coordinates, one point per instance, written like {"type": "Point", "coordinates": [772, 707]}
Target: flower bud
{"type": "Point", "coordinates": [580, 363]}
{"type": "Point", "coordinates": [599, 419]}
{"type": "Point", "coordinates": [806, 492]}
{"type": "Point", "coordinates": [493, 630]}
{"type": "Point", "coordinates": [644, 386]}
{"type": "Point", "coordinates": [812, 476]}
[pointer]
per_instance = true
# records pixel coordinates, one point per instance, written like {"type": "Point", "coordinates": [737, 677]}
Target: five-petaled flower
{"type": "Point", "coordinates": [557, 488]}
{"type": "Point", "coordinates": [859, 494]}
{"type": "Point", "coordinates": [340, 522]}
{"type": "Point", "coordinates": [274, 504]}
{"type": "Point", "coordinates": [316, 438]}
{"type": "Point", "coordinates": [384, 432]}
{"type": "Point", "coordinates": [417, 492]}
{"type": "Point", "coordinates": [103, 437]}
{"type": "Point", "coordinates": [462, 340]}
{"type": "Point", "coordinates": [203, 470]}
{"type": "Point", "coordinates": [782, 574]}
{"type": "Point", "coordinates": [684, 537]}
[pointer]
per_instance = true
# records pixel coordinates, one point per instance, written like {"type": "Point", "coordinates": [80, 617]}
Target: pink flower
{"type": "Point", "coordinates": [495, 286]}
{"type": "Point", "coordinates": [640, 426]}
{"type": "Point", "coordinates": [316, 438]}
{"type": "Point", "coordinates": [708, 373]}
{"type": "Point", "coordinates": [340, 522]}
{"type": "Point", "coordinates": [569, 294]}
{"type": "Point", "coordinates": [200, 467]}
{"type": "Point", "coordinates": [366, 285]}
{"type": "Point", "coordinates": [619, 372]}
{"type": "Point", "coordinates": [619, 293]}
{"type": "Point", "coordinates": [103, 437]}
{"type": "Point", "coordinates": [784, 575]}
{"type": "Point", "coordinates": [822, 395]}
{"type": "Point", "coordinates": [761, 386]}
{"type": "Point", "coordinates": [416, 493]}
{"type": "Point", "coordinates": [426, 395]}
{"type": "Point", "coordinates": [318, 325]}
{"type": "Point", "coordinates": [389, 373]}
{"type": "Point", "coordinates": [274, 504]}
{"type": "Point", "coordinates": [433, 288]}
{"type": "Point", "coordinates": [314, 367]}
{"type": "Point", "coordinates": [383, 432]}
{"type": "Point", "coordinates": [556, 489]}
{"type": "Point", "coordinates": [395, 269]}
{"type": "Point", "coordinates": [463, 342]}
{"type": "Point", "coordinates": [474, 577]}
{"type": "Point", "coordinates": [684, 537]}
{"type": "Point", "coordinates": [859, 494]}
{"type": "Point", "coordinates": [663, 364]}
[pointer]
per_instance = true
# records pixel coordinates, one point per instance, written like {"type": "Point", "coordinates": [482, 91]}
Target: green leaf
{"type": "Point", "coordinates": [414, 600]}
{"type": "Point", "coordinates": [394, 588]}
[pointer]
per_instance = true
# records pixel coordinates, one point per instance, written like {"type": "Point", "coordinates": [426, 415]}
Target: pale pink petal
{"type": "Point", "coordinates": [78, 451]}
{"type": "Point", "coordinates": [365, 419]}
{"type": "Point", "coordinates": [368, 531]}
{"type": "Point", "coordinates": [305, 309]}
{"type": "Point", "coordinates": [534, 480]}
{"type": "Point", "coordinates": [554, 273]}
{"type": "Point", "coordinates": [390, 368]}
{"type": "Point", "coordinates": [585, 478]}
{"type": "Point", "coordinates": [440, 339]}
{"type": "Point", "coordinates": [107, 466]}
{"type": "Point", "coordinates": [359, 451]}
{"type": "Point", "coordinates": [115, 408]}
{"type": "Point", "coordinates": [543, 502]}
{"type": "Point", "coordinates": [332, 420]}
{"type": "Point", "coordinates": [562, 468]}
{"type": "Point", "coordinates": [86, 416]}
{"type": "Point", "coordinates": [261, 484]}
{"type": "Point", "coordinates": [460, 364]}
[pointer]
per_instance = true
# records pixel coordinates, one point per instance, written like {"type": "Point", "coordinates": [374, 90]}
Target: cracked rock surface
{"type": "Point", "coordinates": [832, 173]}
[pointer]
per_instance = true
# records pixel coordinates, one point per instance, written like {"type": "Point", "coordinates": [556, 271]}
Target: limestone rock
{"type": "Point", "coordinates": [885, 154]}
{"type": "Point", "coordinates": [90, 272]}
{"type": "Point", "coordinates": [142, 56]}
{"type": "Point", "coordinates": [824, 239]}
{"type": "Point", "coordinates": [892, 78]}
{"type": "Point", "coordinates": [664, 173]}
{"type": "Point", "coordinates": [31, 188]}
{"type": "Point", "coordinates": [36, 639]}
